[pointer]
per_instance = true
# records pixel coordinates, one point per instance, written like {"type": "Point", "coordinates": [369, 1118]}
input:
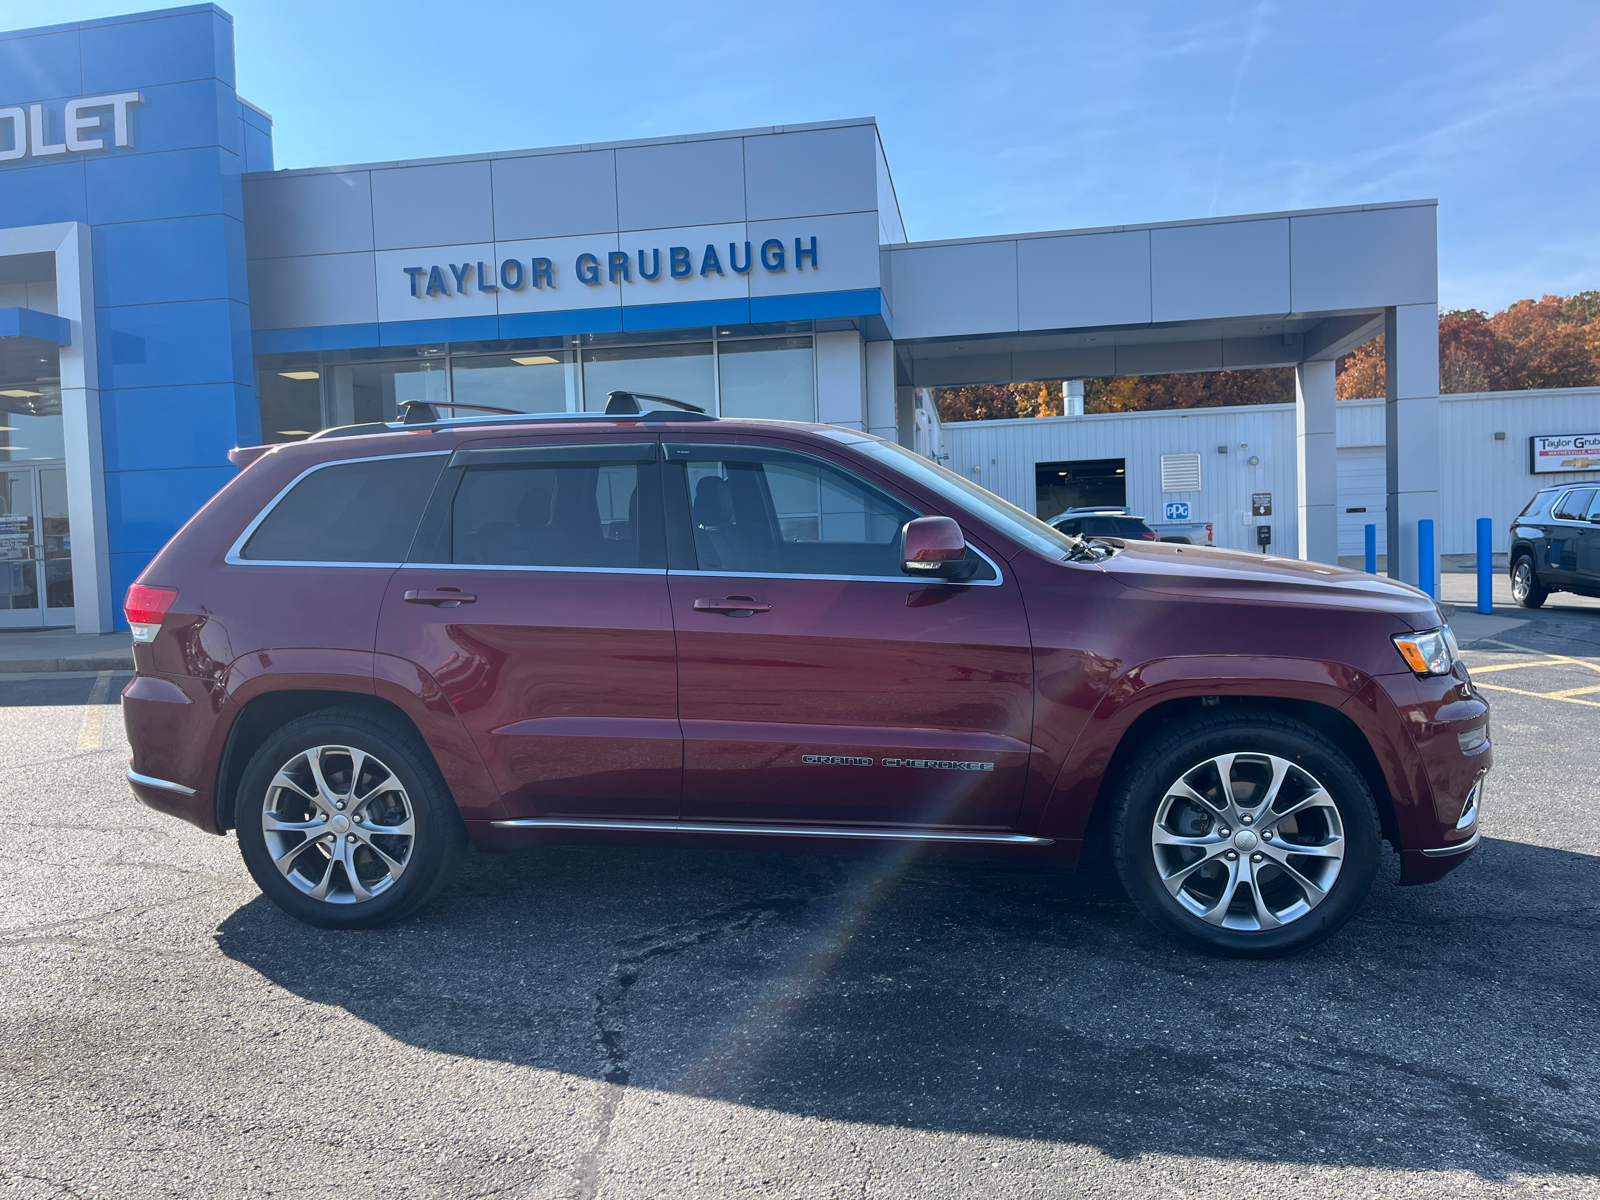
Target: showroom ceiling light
{"type": "Point", "coordinates": [531, 360]}
{"type": "Point", "coordinates": [20, 394]}
{"type": "Point", "coordinates": [300, 374]}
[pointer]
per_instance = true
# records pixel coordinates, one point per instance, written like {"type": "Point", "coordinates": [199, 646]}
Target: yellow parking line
{"type": "Point", "coordinates": [1562, 695]}
{"type": "Point", "coordinates": [94, 714]}
{"type": "Point", "coordinates": [1541, 695]}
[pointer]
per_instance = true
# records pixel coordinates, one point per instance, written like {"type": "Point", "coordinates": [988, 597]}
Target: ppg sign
{"type": "Point", "coordinates": [1177, 510]}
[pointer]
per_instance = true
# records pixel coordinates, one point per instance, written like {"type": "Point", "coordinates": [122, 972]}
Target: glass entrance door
{"type": "Point", "coordinates": [35, 548]}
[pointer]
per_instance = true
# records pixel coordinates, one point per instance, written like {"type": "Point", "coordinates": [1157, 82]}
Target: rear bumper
{"type": "Point", "coordinates": [175, 799]}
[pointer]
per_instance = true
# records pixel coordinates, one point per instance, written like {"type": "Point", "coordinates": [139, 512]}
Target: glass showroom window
{"type": "Point", "coordinates": [291, 401]}
{"type": "Point", "coordinates": [532, 381]}
{"type": "Point", "coordinates": [768, 377]}
{"type": "Point", "coordinates": [361, 392]}
{"type": "Point", "coordinates": [683, 372]}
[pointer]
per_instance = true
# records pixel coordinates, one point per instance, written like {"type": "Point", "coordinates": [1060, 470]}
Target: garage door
{"type": "Point", "coordinates": [1363, 487]}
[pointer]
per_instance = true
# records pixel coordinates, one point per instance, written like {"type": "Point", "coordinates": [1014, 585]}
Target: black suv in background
{"type": "Point", "coordinates": [1555, 544]}
{"type": "Point", "coordinates": [1103, 522]}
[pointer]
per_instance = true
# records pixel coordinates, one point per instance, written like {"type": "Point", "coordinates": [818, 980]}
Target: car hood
{"type": "Point", "coordinates": [1206, 572]}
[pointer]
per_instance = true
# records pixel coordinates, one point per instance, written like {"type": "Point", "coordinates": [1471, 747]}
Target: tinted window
{"type": "Point", "coordinates": [1132, 527]}
{"type": "Point", "coordinates": [1574, 505]}
{"type": "Point", "coordinates": [351, 512]}
{"type": "Point", "coordinates": [1536, 505]}
{"type": "Point", "coordinates": [1101, 527]}
{"type": "Point", "coordinates": [575, 507]}
{"type": "Point", "coordinates": [777, 512]}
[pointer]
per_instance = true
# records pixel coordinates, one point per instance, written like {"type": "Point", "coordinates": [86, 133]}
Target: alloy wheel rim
{"type": "Point", "coordinates": [1522, 582]}
{"type": "Point", "coordinates": [1248, 842]}
{"type": "Point", "coordinates": [338, 824]}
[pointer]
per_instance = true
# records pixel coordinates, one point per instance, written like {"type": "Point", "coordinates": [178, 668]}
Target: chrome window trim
{"type": "Point", "coordinates": [997, 581]}
{"type": "Point", "coordinates": [232, 557]}
{"type": "Point", "coordinates": [164, 784]}
{"type": "Point", "coordinates": [541, 569]}
{"type": "Point", "coordinates": [816, 831]}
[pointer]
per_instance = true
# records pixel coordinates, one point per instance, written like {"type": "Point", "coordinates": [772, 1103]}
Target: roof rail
{"type": "Point", "coordinates": [689, 413]}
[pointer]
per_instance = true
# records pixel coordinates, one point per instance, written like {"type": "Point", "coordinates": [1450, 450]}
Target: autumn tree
{"type": "Point", "coordinates": [998, 401]}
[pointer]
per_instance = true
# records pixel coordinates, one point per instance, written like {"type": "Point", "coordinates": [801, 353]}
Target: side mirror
{"type": "Point", "coordinates": [935, 547]}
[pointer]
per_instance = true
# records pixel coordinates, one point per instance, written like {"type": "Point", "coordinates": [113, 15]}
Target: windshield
{"type": "Point", "coordinates": [1008, 518]}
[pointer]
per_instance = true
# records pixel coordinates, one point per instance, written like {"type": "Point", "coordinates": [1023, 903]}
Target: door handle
{"type": "Point", "coordinates": [440, 597]}
{"type": "Point", "coordinates": [732, 606]}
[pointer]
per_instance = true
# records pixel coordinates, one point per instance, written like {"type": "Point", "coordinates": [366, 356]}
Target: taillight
{"type": "Point", "coordinates": [1209, 540]}
{"type": "Point", "coordinates": [146, 606]}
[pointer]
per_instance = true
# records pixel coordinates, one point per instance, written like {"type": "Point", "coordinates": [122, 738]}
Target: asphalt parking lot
{"type": "Point", "coordinates": [624, 1023]}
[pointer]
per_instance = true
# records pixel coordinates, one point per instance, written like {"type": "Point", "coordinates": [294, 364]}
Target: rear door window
{"type": "Point", "coordinates": [594, 507]}
{"type": "Point", "coordinates": [352, 512]}
{"type": "Point", "coordinates": [1574, 505]}
{"type": "Point", "coordinates": [1132, 527]}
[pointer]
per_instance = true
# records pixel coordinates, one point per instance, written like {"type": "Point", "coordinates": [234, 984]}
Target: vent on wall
{"type": "Point", "coordinates": [1180, 472]}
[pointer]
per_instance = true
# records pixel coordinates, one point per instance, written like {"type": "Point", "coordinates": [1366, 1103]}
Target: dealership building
{"type": "Point", "coordinates": [165, 295]}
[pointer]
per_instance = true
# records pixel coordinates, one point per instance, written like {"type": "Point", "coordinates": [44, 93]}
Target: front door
{"type": "Point", "coordinates": [537, 601]}
{"type": "Point", "coordinates": [1568, 524]}
{"type": "Point", "coordinates": [1589, 546]}
{"type": "Point", "coordinates": [35, 548]}
{"type": "Point", "coordinates": [845, 693]}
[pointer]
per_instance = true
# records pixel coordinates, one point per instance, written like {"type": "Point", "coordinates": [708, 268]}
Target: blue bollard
{"type": "Point", "coordinates": [1485, 565]}
{"type": "Point", "coordinates": [1425, 579]}
{"type": "Point", "coordinates": [1372, 549]}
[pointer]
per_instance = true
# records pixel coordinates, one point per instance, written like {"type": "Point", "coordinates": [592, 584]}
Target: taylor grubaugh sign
{"type": "Point", "coordinates": [1550, 454]}
{"type": "Point", "coordinates": [614, 266]}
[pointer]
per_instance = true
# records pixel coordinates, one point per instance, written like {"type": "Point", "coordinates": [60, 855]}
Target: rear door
{"type": "Point", "coordinates": [1589, 547]}
{"type": "Point", "coordinates": [536, 599]}
{"type": "Point", "coordinates": [1569, 524]}
{"type": "Point", "coordinates": [817, 682]}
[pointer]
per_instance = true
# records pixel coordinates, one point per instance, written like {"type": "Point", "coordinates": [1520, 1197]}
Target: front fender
{"type": "Point", "coordinates": [1159, 681]}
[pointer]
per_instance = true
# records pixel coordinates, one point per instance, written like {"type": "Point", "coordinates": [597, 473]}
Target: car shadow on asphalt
{"type": "Point", "coordinates": [987, 999]}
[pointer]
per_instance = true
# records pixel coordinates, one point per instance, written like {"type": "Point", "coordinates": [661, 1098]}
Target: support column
{"type": "Point", "coordinates": [1411, 429]}
{"type": "Point", "coordinates": [1316, 462]}
{"type": "Point", "coordinates": [880, 390]}
{"type": "Point", "coordinates": [842, 379]}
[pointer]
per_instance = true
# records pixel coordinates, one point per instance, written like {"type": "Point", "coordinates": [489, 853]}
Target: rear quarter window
{"type": "Point", "coordinates": [355, 512]}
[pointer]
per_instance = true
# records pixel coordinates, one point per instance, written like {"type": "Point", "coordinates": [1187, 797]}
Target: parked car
{"type": "Point", "coordinates": [646, 627]}
{"type": "Point", "coordinates": [1103, 522]}
{"type": "Point", "coordinates": [1555, 544]}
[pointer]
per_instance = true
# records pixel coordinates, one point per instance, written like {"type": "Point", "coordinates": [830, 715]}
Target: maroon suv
{"type": "Point", "coordinates": [660, 627]}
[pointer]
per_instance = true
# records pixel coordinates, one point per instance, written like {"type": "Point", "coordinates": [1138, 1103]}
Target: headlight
{"type": "Point", "coordinates": [1431, 652]}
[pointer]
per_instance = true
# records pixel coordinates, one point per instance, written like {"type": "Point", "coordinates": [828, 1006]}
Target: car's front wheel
{"type": "Point", "coordinates": [1525, 589]}
{"type": "Point", "coordinates": [344, 821]}
{"type": "Point", "coordinates": [1246, 832]}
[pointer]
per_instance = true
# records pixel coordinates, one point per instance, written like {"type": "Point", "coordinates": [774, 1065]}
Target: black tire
{"type": "Point", "coordinates": [383, 889]}
{"type": "Point", "coordinates": [1525, 588]}
{"type": "Point", "coordinates": [1183, 751]}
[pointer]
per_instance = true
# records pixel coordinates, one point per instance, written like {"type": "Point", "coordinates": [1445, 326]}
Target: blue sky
{"type": "Point", "coordinates": [999, 117]}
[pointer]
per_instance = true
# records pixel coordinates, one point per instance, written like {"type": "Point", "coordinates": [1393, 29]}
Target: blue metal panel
{"type": "Point", "coordinates": [155, 345]}
{"type": "Point", "coordinates": [184, 116]}
{"type": "Point", "coordinates": [326, 337]}
{"type": "Point", "coordinates": [42, 67]}
{"type": "Point", "coordinates": [815, 306]}
{"type": "Point", "coordinates": [446, 329]}
{"type": "Point", "coordinates": [684, 315]}
{"type": "Point", "coordinates": [45, 327]}
{"type": "Point", "coordinates": [152, 429]}
{"type": "Point", "coordinates": [157, 262]}
{"type": "Point", "coordinates": [561, 324]}
{"type": "Point", "coordinates": [148, 49]}
{"type": "Point", "coordinates": [42, 195]}
{"type": "Point", "coordinates": [179, 183]}
{"type": "Point", "coordinates": [145, 508]}
{"type": "Point", "coordinates": [257, 145]}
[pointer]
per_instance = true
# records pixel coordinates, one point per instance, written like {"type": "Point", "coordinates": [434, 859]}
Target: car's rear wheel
{"type": "Point", "coordinates": [1247, 833]}
{"type": "Point", "coordinates": [1525, 589]}
{"type": "Point", "coordinates": [344, 822]}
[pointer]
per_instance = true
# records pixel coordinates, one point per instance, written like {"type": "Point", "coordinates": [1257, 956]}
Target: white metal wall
{"type": "Point", "coordinates": [1479, 477]}
{"type": "Point", "coordinates": [1001, 455]}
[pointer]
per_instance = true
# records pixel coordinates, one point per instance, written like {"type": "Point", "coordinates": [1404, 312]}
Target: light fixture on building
{"type": "Point", "coordinates": [1222, 449]}
{"type": "Point", "coordinates": [1500, 436]}
{"type": "Point", "coordinates": [533, 360]}
{"type": "Point", "coordinates": [1254, 461]}
{"type": "Point", "coordinates": [300, 374]}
